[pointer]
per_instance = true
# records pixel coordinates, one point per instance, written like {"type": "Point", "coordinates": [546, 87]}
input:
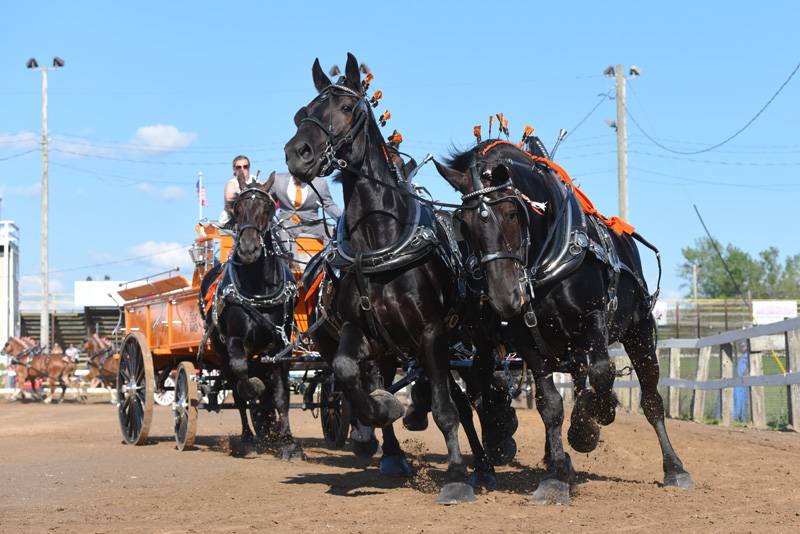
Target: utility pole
{"type": "Point", "coordinates": [44, 317]}
{"type": "Point", "coordinates": [622, 146]}
{"type": "Point", "coordinates": [622, 135]}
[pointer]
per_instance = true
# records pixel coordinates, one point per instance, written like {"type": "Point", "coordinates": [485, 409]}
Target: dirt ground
{"type": "Point", "coordinates": [63, 469]}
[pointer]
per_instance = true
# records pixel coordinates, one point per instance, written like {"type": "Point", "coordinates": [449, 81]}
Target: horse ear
{"type": "Point", "coordinates": [458, 179]}
{"type": "Point", "coordinates": [500, 174]}
{"type": "Point", "coordinates": [301, 114]}
{"type": "Point", "coordinates": [352, 72]}
{"type": "Point", "coordinates": [270, 182]}
{"type": "Point", "coordinates": [321, 80]}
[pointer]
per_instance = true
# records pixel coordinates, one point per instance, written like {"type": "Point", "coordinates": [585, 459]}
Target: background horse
{"type": "Point", "coordinates": [391, 303]}
{"type": "Point", "coordinates": [248, 305]}
{"type": "Point", "coordinates": [589, 292]}
{"type": "Point", "coordinates": [30, 364]}
{"type": "Point", "coordinates": [103, 364]}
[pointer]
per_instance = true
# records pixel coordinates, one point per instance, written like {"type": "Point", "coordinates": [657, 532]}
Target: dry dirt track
{"type": "Point", "coordinates": [63, 469]}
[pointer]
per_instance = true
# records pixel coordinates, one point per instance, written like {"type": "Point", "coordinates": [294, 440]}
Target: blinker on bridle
{"type": "Point", "coordinates": [328, 160]}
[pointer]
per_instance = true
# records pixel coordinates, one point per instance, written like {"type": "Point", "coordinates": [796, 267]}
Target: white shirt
{"type": "Point", "coordinates": [291, 191]}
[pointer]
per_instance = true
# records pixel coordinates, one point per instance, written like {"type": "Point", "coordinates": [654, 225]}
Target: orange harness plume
{"type": "Point", "coordinates": [615, 223]}
{"type": "Point", "coordinates": [209, 296]}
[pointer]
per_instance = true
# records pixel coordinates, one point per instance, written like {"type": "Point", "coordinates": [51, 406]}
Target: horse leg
{"type": "Point", "coordinates": [241, 405]}
{"type": "Point", "coordinates": [249, 387]}
{"type": "Point", "coordinates": [279, 380]}
{"type": "Point", "coordinates": [377, 409]}
{"type": "Point", "coordinates": [640, 346]}
{"type": "Point", "coordinates": [51, 385]}
{"type": "Point", "coordinates": [584, 433]}
{"type": "Point", "coordinates": [393, 462]}
{"type": "Point", "coordinates": [416, 417]}
{"type": "Point", "coordinates": [555, 488]}
{"type": "Point", "coordinates": [599, 401]}
{"type": "Point", "coordinates": [483, 475]}
{"type": "Point", "coordinates": [445, 414]}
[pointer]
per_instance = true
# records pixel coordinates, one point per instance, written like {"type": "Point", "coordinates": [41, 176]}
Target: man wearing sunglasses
{"type": "Point", "coordinates": [240, 163]}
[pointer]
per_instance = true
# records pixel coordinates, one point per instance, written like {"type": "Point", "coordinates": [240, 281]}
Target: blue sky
{"type": "Point", "coordinates": [154, 92]}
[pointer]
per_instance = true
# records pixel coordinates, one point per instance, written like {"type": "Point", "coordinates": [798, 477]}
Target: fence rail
{"type": "Point", "coordinates": [777, 391]}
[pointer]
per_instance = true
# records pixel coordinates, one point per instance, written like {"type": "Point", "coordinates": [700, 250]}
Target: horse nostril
{"type": "Point", "coordinates": [305, 152]}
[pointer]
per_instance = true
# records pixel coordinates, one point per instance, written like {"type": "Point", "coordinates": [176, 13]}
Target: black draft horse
{"type": "Point", "coordinates": [248, 305]}
{"type": "Point", "coordinates": [402, 310]}
{"type": "Point", "coordinates": [527, 229]}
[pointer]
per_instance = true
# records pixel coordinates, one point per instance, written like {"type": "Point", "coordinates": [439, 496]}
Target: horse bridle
{"type": "Point", "coordinates": [519, 258]}
{"type": "Point", "coordinates": [328, 160]}
{"type": "Point", "coordinates": [252, 192]}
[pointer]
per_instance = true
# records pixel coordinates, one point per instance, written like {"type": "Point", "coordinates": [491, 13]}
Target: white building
{"type": "Point", "coordinates": [9, 281]}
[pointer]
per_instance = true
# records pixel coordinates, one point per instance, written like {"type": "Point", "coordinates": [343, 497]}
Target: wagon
{"type": "Point", "coordinates": [163, 335]}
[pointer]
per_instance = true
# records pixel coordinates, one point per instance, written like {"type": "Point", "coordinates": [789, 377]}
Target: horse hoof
{"type": "Point", "coordinates": [583, 437]}
{"type": "Point", "coordinates": [679, 480]}
{"type": "Point", "coordinates": [483, 479]}
{"type": "Point", "coordinates": [247, 437]}
{"type": "Point", "coordinates": [293, 452]}
{"type": "Point", "coordinates": [393, 407]}
{"type": "Point", "coordinates": [605, 409]}
{"type": "Point", "coordinates": [395, 465]}
{"type": "Point", "coordinates": [415, 420]}
{"type": "Point", "coordinates": [503, 452]}
{"type": "Point", "coordinates": [551, 491]}
{"type": "Point", "coordinates": [365, 449]}
{"type": "Point", "coordinates": [455, 493]}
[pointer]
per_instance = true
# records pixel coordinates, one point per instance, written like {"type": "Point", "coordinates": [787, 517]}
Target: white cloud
{"type": "Point", "coordinates": [19, 141]}
{"type": "Point", "coordinates": [29, 190]}
{"type": "Point", "coordinates": [167, 193]}
{"type": "Point", "coordinates": [160, 138]}
{"type": "Point", "coordinates": [163, 255]}
{"type": "Point", "coordinates": [32, 283]}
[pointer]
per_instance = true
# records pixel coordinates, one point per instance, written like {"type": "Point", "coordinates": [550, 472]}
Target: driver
{"type": "Point", "coordinates": [240, 163]}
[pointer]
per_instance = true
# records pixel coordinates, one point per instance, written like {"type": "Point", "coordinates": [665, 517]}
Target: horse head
{"type": "Point", "coordinates": [495, 221]}
{"type": "Point", "coordinates": [253, 210]}
{"type": "Point", "coordinates": [328, 127]}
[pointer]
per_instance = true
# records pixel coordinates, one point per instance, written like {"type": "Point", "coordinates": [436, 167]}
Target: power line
{"type": "Point", "coordinates": [146, 162]}
{"type": "Point", "coordinates": [776, 187]}
{"type": "Point", "coordinates": [19, 154]}
{"type": "Point", "coordinates": [724, 263]}
{"type": "Point", "coordinates": [603, 98]}
{"type": "Point", "coordinates": [729, 163]}
{"type": "Point", "coordinates": [727, 139]}
{"type": "Point", "coordinates": [125, 260]}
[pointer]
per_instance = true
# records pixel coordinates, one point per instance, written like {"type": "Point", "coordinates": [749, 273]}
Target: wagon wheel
{"type": "Point", "coordinates": [165, 397]}
{"type": "Point", "coordinates": [135, 385]}
{"type": "Point", "coordinates": [184, 409]}
{"type": "Point", "coordinates": [334, 414]}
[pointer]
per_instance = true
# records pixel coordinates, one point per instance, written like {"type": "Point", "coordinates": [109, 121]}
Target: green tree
{"type": "Point", "coordinates": [764, 277]}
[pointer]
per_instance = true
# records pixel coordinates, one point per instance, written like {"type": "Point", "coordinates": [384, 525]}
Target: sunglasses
{"type": "Point", "coordinates": [242, 167]}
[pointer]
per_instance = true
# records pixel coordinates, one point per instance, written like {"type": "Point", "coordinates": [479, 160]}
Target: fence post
{"type": "Point", "coordinates": [703, 363]}
{"type": "Point", "coordinates": [793, 352]}
{"type": "Point", "coordinates": [674, 372]}
{"type": "Point", "coordinates": [757, 392]}
{"type": "Point", "coordinates": [625, 393]}
{"type": "Point", "coordinates": [726, 362]}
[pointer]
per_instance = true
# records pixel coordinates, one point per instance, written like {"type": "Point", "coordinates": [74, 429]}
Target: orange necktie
{"type": "Point", "coordinates": [298, 200]}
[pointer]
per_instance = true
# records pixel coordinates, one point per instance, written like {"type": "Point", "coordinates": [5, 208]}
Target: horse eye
{"type": "Point", "coordinates": [347, 109]}
{"type": "Point", "coordinates": [512, 216]}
